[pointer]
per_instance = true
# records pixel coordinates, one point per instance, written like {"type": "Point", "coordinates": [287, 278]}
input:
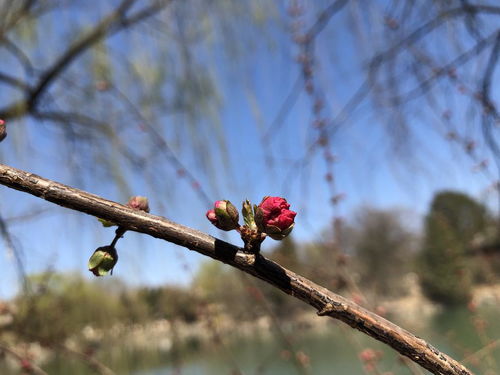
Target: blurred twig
{"type": "Point", "coordinates": [13, 251]}
{"type": "Point", "coordinates": [89, 359]}
{"type": "Point", "coordinates": [30, 367]}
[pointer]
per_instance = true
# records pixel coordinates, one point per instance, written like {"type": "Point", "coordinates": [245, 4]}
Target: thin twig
{"type": "Point", "coordinates": [33, 369]}
{"type": "Point", "coordinates": [90, 360]}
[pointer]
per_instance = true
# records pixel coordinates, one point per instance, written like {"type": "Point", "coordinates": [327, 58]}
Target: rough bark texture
{"type": "Point", "coordinates": [325, 301]}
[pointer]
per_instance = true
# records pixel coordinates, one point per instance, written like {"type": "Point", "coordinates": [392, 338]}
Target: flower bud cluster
{"type": "Point", "coordinates": [272, 217]}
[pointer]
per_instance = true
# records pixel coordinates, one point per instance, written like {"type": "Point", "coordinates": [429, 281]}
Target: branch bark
{"type": "Point", "coordinates": [326, 302]}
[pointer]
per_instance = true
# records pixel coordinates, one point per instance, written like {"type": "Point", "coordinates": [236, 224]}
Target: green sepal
{"type": "Point", "coordinates": [96, 259]}
{"type": "Point", "coordinates": [276, 233]}
{"type": "Point", "coordinates": [103, 260]}
{"type": "Point", "coordinates": [258, 217]}
{"type": "Point", "coordinates": [105, 223]}
{"type": "Point", "coordinates": [288, 230]}
{"type": "Point", "coordinates": [248, 216]}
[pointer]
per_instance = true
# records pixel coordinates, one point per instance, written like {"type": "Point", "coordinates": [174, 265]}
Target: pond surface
{"type": "Point", "coordinates": [333, 351]}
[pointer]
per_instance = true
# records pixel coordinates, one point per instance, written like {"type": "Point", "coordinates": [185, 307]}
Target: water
{"type": "Point", "coordinates": [332, 351]}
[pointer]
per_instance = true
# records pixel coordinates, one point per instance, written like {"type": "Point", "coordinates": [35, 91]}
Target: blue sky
{"type": "Point", "coordinates": [367, 172]}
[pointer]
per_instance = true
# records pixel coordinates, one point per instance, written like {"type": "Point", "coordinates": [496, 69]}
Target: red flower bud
{"type": "Point", "coordinates": [212, 217]}
{"type": "Point", "coordinates": [274, 218]}
{"type": "Point", "coordinates": [224, 215]}
{"type": "Point", "coordinates": [139, 203]}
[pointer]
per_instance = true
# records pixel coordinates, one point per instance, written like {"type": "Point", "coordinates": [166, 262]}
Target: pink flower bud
{"type": "Point", "coordinates": [224, 215]}
{"type": "Point", "coordinates": [3, 130]}
{"type": "Point", "coordinates": [274, 218]}
{"type": "Point", "coordinates": [369, 355]}
{"type": "Point", "coordinates": [212, 217]}
{"type": "Point", "coordinates": [26, 365]}
{"type": "Point", "coordinates": [139, 203]}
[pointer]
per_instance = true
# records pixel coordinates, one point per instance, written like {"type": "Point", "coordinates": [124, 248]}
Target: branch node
{"type": "Point", "coordinates": [244, 259]}
{"type": "Point", "coordinates": [326, 310]}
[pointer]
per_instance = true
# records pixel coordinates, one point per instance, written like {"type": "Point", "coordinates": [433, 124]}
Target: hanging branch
{"type": "Point", "coordinates": [326, 302]}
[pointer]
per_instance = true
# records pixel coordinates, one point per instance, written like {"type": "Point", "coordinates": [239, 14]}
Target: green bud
{"type": "Point", "coordinates": [226, 214]}
{"type": "Point", "coordinates": [259, 218]}
{"type": "Point", "coordinates": [248, 215]}
{"type": "Point", "coordinates": [103, 260]}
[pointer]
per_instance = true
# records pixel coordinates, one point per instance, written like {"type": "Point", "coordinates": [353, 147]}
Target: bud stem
{"type": "Point", "coordinates": [251, 239]}
{"type": "Point", "coordinates": [120, 231]}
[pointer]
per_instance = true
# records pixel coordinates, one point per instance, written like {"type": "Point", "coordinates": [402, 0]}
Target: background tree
{"type": "Point", "coordinates": [450, 226]}
{"type": "Point", "coordinates": [382, 250]}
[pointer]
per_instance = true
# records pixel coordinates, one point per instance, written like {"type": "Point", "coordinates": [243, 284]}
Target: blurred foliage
{"type": "Point", "coordinates": [61, 305]}
{"type": "Point", "coordinates": [379, 250]}
{"type": "Point", "coordinates": [383, 250]}
{"type": "Point", "coordinates": [169, 302]}
{"type": "Point", "coordinates": [452, 223]}
{"type": "Point", "coordinates": [287, 253]}
{"type": "Point", "coordinates": [219, 284]}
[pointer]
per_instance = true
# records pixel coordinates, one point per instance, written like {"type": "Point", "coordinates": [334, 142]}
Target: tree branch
{"type": "Point", "coordinates": [325, 301]}
{"type": "Point", "coordinates": [324, 17]}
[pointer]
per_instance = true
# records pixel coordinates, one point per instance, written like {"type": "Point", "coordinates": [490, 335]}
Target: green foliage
{"type": "Point", "coordinates": [286, 253]}
{"type": "Point", "coordinates": [381, 247]}
{"type": "Point", "coordinates": [61, 305]}
{"type": "Point", "coordinates": [242, 297]}
{"type": "Point", "coordinates": [445, 271]}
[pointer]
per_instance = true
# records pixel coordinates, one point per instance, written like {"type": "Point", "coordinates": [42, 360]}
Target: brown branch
{"type": "Point", "coordinates": [325, 301]}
